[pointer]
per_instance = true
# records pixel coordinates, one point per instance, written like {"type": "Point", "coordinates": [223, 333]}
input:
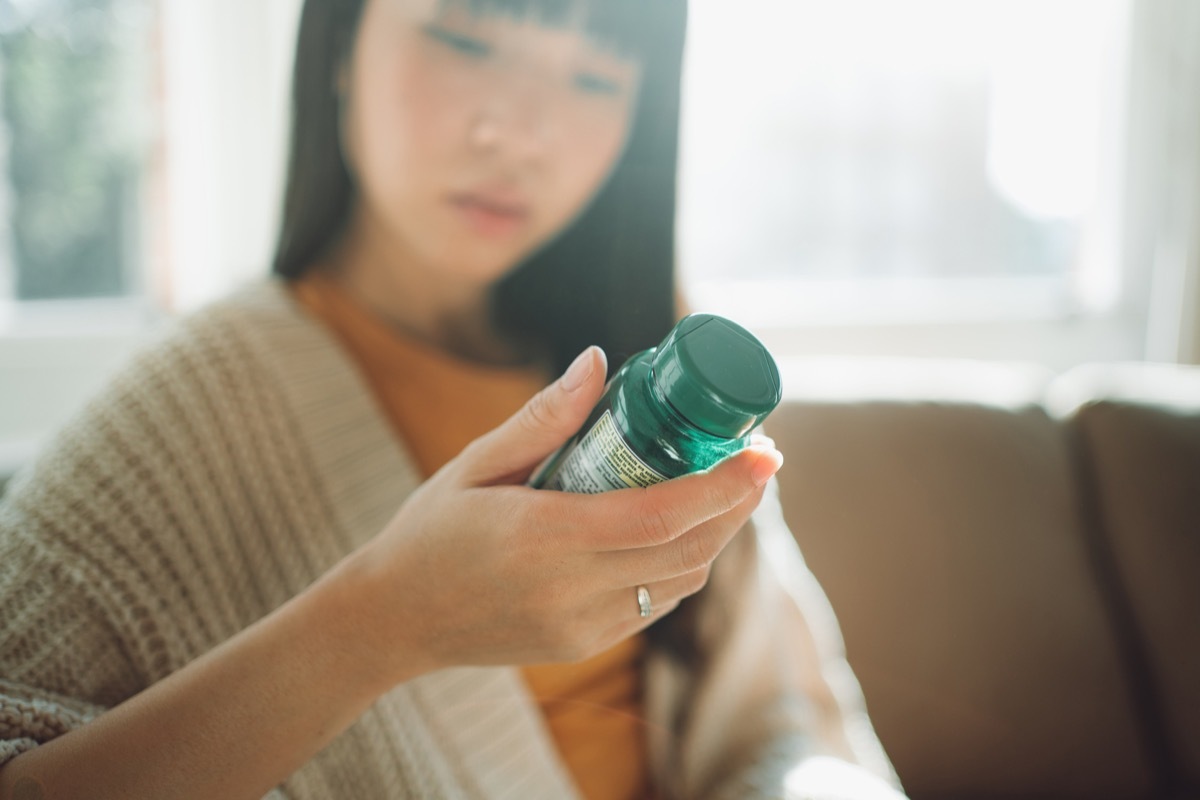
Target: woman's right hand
{"type": "Point", "coordinates": [475, 568]}
{"type": "Point", "coordinates": [478, 569]}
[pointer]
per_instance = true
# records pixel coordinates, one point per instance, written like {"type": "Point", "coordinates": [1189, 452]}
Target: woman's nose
{"type": "Point", "coordinates": [519, 119]}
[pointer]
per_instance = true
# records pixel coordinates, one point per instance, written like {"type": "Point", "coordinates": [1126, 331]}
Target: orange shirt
{"type": "Point", "coordinates": [437, 403]}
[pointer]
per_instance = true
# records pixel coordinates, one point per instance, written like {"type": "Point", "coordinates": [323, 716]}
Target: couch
{"type": "Point", "coordinates": [1014, 558]}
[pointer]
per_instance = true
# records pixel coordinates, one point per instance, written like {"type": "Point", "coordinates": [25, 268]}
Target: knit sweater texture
{"type": "Point", "coordinates": [238, 458]}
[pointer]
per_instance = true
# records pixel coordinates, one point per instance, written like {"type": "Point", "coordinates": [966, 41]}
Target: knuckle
{"type": "Point", "coordinates": [751, 501]}
{"type": "Point", "coordinates": [527, 531]}
{"type": "Point", "coordinates": [539, 413]}
{"type": "Point", "coordinates": [463, 466]}
{"type": "Point", "coordinates": [693, 554]}
{"type": "Point", "coordinates": [503, 514]}
{"type": "Point", "coordinates": [699, 579]}
{"type": "Point", "coordinates": [475, 448]}
{"type": "Point", "coordinates": [725, 496]}
{"type": "Point", "coordinates": [523, 545]}
{"type": "Point", "coordinates": [657, 523]}
{"type": "Point", "coordinates": [556, 513]}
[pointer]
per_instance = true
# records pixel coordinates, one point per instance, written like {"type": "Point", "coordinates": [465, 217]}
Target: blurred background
{"type": "Point", "coordinates": [998, 180]}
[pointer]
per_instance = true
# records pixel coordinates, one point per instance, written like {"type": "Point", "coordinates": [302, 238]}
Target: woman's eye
{"type": "Point", "coordinates": [596, 84]}
{"type": "Point", "coordinates": [467, 45]}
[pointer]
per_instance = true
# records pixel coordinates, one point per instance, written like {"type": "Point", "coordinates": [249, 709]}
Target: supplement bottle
{"type": "Point", "coordinates": [673, 409]}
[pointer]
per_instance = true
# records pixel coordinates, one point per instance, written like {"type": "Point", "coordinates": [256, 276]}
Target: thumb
{"type": "Point", "coordinates": [510, 452]}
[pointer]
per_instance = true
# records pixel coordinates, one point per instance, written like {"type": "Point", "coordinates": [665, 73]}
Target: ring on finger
{"type": "Point", "coordinates": [645, 609]}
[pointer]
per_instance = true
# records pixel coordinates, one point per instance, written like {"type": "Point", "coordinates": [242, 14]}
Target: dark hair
{"type": "Point", "coordinates": [608, 279]}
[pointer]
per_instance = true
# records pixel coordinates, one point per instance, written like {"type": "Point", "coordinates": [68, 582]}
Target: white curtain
{"type": "Point", "coordinates": [1164, 176]}
{"type": "Point", "coordinates": [226, 87]}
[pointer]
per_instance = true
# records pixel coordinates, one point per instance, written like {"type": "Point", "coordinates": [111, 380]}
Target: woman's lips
{"type": "Point", "coordinates": [489, 216]}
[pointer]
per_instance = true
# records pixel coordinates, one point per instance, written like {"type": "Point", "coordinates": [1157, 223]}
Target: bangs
{"type": "Point", "coordinates": [629, 28]}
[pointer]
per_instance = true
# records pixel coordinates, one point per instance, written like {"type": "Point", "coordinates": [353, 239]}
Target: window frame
{"type": "Point", "coordinates": [61, 352]}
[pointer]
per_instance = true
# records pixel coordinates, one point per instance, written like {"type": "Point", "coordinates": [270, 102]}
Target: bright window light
{"type": "Point", "coordinates": [956, 154]}
{"type": "Point", "coordinates": [78, 132]}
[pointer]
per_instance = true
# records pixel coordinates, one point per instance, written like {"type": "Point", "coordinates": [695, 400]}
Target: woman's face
{"type": "Point", "coordinates": [474, 139]}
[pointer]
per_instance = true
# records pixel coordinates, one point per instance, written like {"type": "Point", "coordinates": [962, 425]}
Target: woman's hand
{"type": "Point", "coordinates": [477, 568]}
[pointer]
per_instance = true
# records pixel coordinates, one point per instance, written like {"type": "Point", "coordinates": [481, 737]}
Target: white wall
{"type": "Point", "coordinates": [46, 379]}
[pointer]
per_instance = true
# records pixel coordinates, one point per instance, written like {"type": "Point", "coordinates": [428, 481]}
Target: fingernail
{"type": "Point", "coordinates": [761, 439]}
{"type": "Point", "coordinates": [767, 464]}
{"type": "Point", "coordinates": [579, 371]}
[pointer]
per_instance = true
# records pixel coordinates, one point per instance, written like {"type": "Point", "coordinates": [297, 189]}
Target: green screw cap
{"type": "Point", "coordinates": [716, 375]}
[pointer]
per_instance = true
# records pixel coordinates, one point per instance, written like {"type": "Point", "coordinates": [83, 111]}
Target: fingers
{"type": "Point", "coordinates": [683, 555]}
{"type": "Point", "coordinates": [638, 518]}
{"type": "Point", "coordinates": [510, 452]}
{"type": "Point", "coordinates": [622, 613]}
{"type": "Point", "coordinates": [670, 592]}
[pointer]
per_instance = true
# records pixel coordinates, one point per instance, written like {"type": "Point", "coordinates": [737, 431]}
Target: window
{"type": "Point", "coordinates": [140, 148]}
{"type": "Point", "coordinates": [866, 160]}
{"type": "Point", "coordinates": [80, 126]}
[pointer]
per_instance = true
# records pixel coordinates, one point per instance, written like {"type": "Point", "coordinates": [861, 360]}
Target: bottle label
{"type": "Point", "coordinates": [602, 461]}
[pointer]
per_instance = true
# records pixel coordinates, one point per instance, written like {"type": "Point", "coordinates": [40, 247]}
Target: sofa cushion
{"type": "Point", "coordinates": [1138, 428]}
{"type": "Point", "coordinates": [947, 537]}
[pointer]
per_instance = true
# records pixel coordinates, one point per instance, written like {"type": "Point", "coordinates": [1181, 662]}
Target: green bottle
{"type": "Point", "coordinates": [673, 409]}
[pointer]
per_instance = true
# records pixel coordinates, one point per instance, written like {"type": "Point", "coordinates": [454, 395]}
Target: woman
{"type": "Point", "coordinates": [289, 551]}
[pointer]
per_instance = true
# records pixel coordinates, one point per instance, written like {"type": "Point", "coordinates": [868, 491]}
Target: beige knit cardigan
{"type": "Point", "coordinates": [238, 458]}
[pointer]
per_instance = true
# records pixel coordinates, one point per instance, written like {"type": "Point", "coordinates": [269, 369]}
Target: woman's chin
{"type": "Point", "coordinates": [475, 266]}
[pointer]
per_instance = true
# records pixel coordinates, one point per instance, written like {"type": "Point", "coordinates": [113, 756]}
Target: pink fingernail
{"type": "Point", "coordinates": [579, 371]}
{"type": "Point", "coordinates": [767, 464]}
